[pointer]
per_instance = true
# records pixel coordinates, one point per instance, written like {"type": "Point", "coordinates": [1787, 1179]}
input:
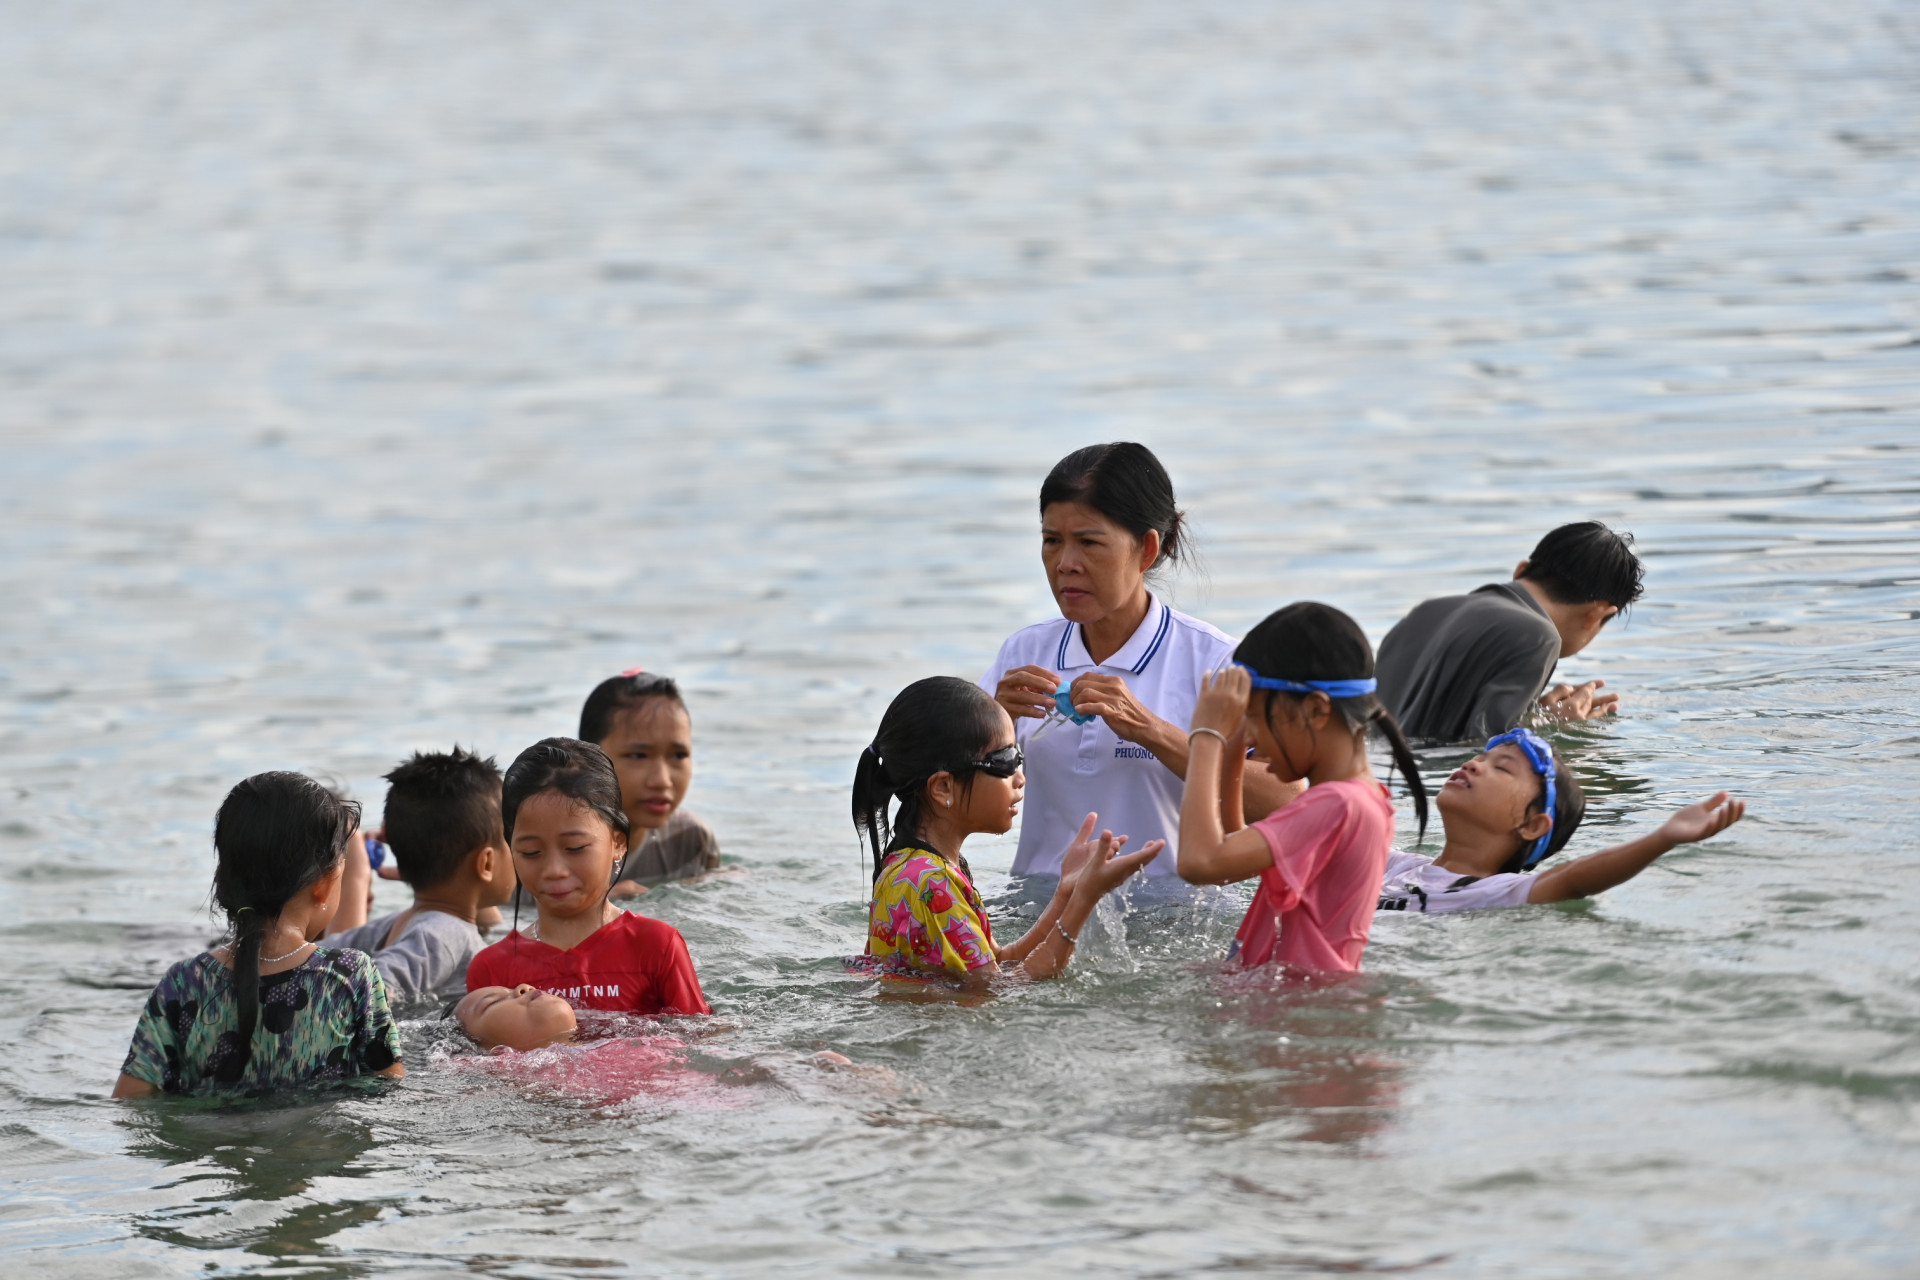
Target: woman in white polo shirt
{"type": "Point", "coordinates": [1131, 665]}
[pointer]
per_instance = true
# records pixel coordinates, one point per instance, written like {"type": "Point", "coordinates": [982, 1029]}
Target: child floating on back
{"type": "Point", "coordinates": [568, 833]}
{"type": "Point", "coordinates": [946, 751]}
{"type": "Point", "coordinates": [641, 722]}
{"type": "Point", "coordinates": [271, 1008]}
{"type": "Point", "coordinates": [521, 1018]}
{"type": "Point", "coordinates": [1302, 691]}
{"type": "Point", "coordinates": [443, 826]}
{"type": "Point", "coordinates": [1510, 808]}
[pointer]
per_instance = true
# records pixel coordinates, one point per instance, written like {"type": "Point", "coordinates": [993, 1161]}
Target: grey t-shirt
{"type": "Point", "coordinates": [428, 961]}
{"type": "Point", "coordinates": [682, 849]}
{"type": "Point", "coordinates": [1463, 668]}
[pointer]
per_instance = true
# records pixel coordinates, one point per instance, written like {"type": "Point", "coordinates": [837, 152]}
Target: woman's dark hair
{"type": "Point", "coordinates": [1585, 562]}
{"type": "Point", "coordinates": [1125, 483]}
{"type": "Point", "coordinates": [1569, 809]}
{"type": "Point", "coordinates": [938, 725]}
{"type": "Point", "coordinates": [275, 835]}
{"type": "Point", "coordinates": [616, 693]}
{"type": "Point", "coordinates": [1309, 641]}
{"type": "Point", "coordinates": [577, 770]}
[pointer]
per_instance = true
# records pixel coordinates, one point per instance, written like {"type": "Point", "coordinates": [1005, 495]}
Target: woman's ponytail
{"type": "Point", "coordinates": [276, 834]}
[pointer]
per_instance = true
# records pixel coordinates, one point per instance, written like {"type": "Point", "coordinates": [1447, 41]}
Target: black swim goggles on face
{"type": "Point", "coordinates": [1003, 763]}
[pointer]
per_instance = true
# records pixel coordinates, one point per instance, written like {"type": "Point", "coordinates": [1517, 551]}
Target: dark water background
{"type": "Point", "coordinates": [377, 377]}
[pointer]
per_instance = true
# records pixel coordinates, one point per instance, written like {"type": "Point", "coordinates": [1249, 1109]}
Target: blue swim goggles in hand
{"type": "Point", "coordinates": [1332, 688]}
{"type": "Point", "coordinates": [1062, 712]}
{"type": "Point", "coordinates": [1540, 756]}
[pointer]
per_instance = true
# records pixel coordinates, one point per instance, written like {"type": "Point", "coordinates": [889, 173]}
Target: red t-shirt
{"type": "Point", "coordinates": [1315, 903]}
{"type": "Point", "coordinates": [631, 964]}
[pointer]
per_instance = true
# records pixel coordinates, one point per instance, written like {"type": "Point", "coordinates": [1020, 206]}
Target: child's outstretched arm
{"type": "Point", "coordinates": [1208, 853]}
{"type": "Point", "coordinates": [1597, 872]}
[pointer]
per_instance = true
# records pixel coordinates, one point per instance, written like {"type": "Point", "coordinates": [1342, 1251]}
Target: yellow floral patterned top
{"type": "Point", "coordinates": [926, 916]}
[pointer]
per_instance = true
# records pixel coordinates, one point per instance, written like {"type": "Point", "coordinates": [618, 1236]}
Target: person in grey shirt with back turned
{"type": "Point", "coordinates": [1472, 666]}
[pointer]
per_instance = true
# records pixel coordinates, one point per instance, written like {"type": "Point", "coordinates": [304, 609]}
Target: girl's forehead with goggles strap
{"type": "Point", "coordinates": [1332, 688]}
{"type": "Point", "coordinates": [1535, 747]}
{"type": "Point", "coordinates": [1540, 756]}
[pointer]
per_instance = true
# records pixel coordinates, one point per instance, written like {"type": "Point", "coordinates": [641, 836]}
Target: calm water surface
{"type": "Point", "coordinates": [374, 379]}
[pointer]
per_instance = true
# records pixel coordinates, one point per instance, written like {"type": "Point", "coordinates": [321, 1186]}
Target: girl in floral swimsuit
{"type": "Point", "coordinates": [946, 752]}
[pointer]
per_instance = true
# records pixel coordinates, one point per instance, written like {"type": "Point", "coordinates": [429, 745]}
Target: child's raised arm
{"type": "Point", "coordinates": [1598, 872]}
{"type": "Point", "coordinates": [1208, 852]}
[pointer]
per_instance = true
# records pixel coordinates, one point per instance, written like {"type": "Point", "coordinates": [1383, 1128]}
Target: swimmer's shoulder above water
{"type": "Point", "coordinates": [1509, 809]}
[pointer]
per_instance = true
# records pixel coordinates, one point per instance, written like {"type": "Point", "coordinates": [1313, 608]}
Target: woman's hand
{"type": "Point", "coordinates": [1027, 692]}
{"type": "Point", "coordinates": [1109, 698]}
{"type": "Point", "coordinates": [1222, 704]}
{"type": "Point", "coordinates": [1708, 818]}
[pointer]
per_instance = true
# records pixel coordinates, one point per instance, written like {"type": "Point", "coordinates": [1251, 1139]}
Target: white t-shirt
{"type": "Point", "coordinates": [1413, 883]}
{"type": "Point", "coordinates": [1074, 769]}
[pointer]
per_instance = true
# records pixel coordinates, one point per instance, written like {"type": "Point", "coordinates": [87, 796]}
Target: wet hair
{"type": "Point", "coordinates": [1587, 562]}
{"type": "Point", "coordinates": [577, 770]}
{"type": "Point", "coordinates": [1309, 641]}
{"type": "Point", "coordinates": [937, 725]}
{"type": "Point", "coordinates": [276, 835]}
{"type": "Point", "coordinates": [616, 693]}
{"type": "Point", "coordinates": [441, 806]}
{"type": "Point", "coordinates": [1569, 809]}
{"type": "Point", "coordinates": [1125, 483]}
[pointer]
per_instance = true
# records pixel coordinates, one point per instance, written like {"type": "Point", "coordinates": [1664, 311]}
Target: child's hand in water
{"type": "Point", "coordinates": [1101, 870]}
{"type": "Point", "coordinates": [1708, 818]}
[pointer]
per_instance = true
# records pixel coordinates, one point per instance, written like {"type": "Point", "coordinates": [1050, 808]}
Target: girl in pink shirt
{"type": "Point", "coordinates": [1301, 693]}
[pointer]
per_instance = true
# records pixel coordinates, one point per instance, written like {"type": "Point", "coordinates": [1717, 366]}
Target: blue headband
{"type": "Point", "coordinates": [1540, 756]}
{"type": "Point", "coordinates": [1332, 688]}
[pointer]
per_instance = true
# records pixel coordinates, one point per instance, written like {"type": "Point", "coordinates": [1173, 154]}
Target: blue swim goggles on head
{"type": "Point", "coordinates": [1332, 688]}
{"type": "Point", "coordinates": [1540, 756]}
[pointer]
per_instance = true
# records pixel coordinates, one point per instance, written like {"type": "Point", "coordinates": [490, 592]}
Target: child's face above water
{"type": "Point", "coordinates": [522, 1017]}
{"type": "Point", "coordinates": [651, 745]}
{"type": "Point", "coordinates": [986, 805]}
{"type": "Point", "coordinates": [564, 853]}
{"type": "Point", "coordinates": [1491, 795]}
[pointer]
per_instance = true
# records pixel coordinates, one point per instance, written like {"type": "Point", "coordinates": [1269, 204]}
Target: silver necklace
{"type": "Point", "coordinates": [290, 955]}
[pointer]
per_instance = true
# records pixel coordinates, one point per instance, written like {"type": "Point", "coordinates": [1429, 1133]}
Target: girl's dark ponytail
{"type": "Point", "coordinates": [275, 835]}
{"type": "Point", "coordinates": [1382, 719]}
{"type": "Point", "coordinates": [937, 725]}
{"type": "Point", "coordinates": [249, 930]}
{"type": "Point", "coordinates": [1309, 641]}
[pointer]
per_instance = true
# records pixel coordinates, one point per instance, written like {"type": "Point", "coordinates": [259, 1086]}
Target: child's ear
{"type": "Point", "coordinates": [485, 859]}
{"type": "Point", "coordinates": [1536, 825]}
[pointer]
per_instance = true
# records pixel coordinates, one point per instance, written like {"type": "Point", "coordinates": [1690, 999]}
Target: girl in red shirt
{"type": "Point", "coordinates": [561, 805]}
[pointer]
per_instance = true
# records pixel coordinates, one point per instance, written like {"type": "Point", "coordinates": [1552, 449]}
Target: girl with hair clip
{"type": "Point", "coordinates": [560, 804]}
{"type": "Point", "coordinates": [270, 1008]}
{"type": "Point", "coordinates": [1301, 690]}
{"type": "Point", "coordinates": [946, 751]}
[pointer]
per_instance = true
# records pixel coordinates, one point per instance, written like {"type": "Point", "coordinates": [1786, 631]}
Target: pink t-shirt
{"type": "Point", "coordinates": [1315, 904]}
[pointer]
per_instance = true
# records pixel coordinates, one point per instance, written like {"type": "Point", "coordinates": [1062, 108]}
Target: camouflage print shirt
{"type": "Point", "coordinates": [325, 1019]}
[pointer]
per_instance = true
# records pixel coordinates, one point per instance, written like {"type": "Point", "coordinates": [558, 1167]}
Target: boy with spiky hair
{"type": "Point", "coordinates": [443, 826]}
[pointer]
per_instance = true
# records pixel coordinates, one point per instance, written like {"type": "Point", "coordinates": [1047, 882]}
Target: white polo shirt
{"type": "Point", "coordinates": [1075, 769]}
